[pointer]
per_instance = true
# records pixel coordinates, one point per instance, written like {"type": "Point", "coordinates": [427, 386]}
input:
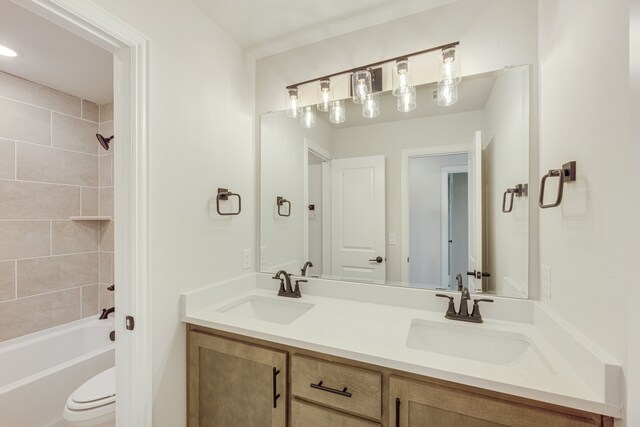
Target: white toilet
{"type": "Point", "coordinates": [94, 402]}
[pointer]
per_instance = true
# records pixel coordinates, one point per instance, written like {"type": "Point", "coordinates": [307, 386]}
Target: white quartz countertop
{"type": "Point", "coordinates": [371, 324]}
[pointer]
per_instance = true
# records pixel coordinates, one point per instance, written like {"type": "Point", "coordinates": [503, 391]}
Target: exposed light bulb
{"type": "Point", "coordinates": [293, 106]}
{"type": "Point", "coordinates": [407, 101]}
{"type": "Point", "coordinates": [361, 85]}
{"type": "Point", "coordinates": [337, 113]}
{"type": "Point", "coordinates": [447, 94]}
{"type": "Point", "coordinates": [371, 106]}
{"type": "Point", "coordinates": [401, 77]}
{"type": "Point", "coordinates": [324, 93]}
{"type": "Point", "coordinates": [308, 119]}
{"type": "Point", "coordinates": [450, 70]}
{"type": "Point", "coordinates": [5, 51]}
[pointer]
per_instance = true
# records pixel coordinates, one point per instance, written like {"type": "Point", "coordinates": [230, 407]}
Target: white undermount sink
{"type": "Point", "coordinates": [275, 310]}
{"type": "Point", "coordinates": [475, 342]}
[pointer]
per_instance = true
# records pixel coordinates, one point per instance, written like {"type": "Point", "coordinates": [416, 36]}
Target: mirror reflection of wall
{"type": "Point", "coordinates": [425, 231]}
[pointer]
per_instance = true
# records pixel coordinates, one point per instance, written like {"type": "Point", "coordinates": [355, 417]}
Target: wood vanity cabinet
{"type": "Point", "coordinates": [233, 380]}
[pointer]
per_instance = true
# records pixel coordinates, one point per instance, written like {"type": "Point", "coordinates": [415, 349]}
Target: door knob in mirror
{"type": "Point", "coordinates": [377, 259]}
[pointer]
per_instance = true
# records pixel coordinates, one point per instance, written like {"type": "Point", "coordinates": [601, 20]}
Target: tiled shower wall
{"type": "Point", "coordinates": [50, 170]}
{"type": "Point", "coordinates": [106, 207]}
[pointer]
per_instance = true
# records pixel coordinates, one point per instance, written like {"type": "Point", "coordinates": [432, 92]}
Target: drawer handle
{"type": "Point", "coordinates": [342, 392]}
{"type": "Point", "coordinates": [275, 396]}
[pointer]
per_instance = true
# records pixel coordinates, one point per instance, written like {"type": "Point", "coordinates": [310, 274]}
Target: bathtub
{"type": "Point", "coordinates": [38, 371]}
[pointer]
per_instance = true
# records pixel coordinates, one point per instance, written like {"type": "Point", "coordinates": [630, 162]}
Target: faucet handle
{"type": "Point", "coordinates": [451, 309]}
{"type": "Point", "coordinates": [475, 313]}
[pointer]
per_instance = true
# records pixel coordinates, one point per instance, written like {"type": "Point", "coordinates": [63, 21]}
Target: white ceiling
{"type": "Point", "coordinates": [54, 57]}
{"type": "Point", "coordinates": [473, 93]}
{"type": "Point", "coordinates": [267, 27]}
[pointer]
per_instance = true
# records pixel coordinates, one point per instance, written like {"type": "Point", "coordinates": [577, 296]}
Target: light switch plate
{"type": "Point", "coordinates": [545, 278]}
{"type": "Point", "coordinates": [246, 258]}
{"type": "Point", "coordinates": [392, 238]}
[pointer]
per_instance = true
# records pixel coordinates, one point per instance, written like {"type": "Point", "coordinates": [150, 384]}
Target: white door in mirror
{"type": "Point", "coordinates": [475, 213]}
{"type": "Point", "coordinates": [358, 218]}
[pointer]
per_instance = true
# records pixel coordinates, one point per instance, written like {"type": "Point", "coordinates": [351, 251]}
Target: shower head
{"type": "Point", "coordinates": [104, 141]}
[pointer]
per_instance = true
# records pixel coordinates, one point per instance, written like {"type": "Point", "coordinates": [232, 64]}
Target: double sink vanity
{"type": "Point", "coordinates": [352, 354]}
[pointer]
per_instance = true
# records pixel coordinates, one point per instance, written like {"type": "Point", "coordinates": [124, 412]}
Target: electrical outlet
{"type": "Point", "coordinates": [392, 238]}
{"type": "Point", "coordinates": [546, 281]}
{"type": "Point", "coordinates": [263, 255]}
{"type": "Point", "coordinates": [246, 258]}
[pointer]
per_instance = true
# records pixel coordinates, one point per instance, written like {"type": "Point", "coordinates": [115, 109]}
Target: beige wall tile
{"type": "Point", "coordinates": [24, 239]}
{"type": "Point", "coordinates": [89, 196]}
{"type": "Point", "coordinates": [45, 164]}
{"type": "Point", "coordinates": [107, 297]}
{"type": "Point", "coordinates": [26, 200]}
{"type": "Point", "coordinates": [107, 236]}
{"type": "Point", "coordinates": [39, 275]}
{"type": "Point", "coordinates": [106, 268]}
{"type": "Point", "coordinates": [106, 201]}
{"type": "Point", "coordinates": [7, 159]}
{"type": "Point", "coordinates": [90, 111]}
{"type": "Point", "coordinates": [74, 134]}
{"type": "Point", "coordinates": [7, 280]}
{"type": "Point", "coordinates": [106, 112]}
{"type": "Point", "coordinates": [106, 171]}
{"type": "Point", "coordinates": [90, 300]}
{"type": "Point", "coordinates": [23, 316]}
{"type": "Point", "coordinates": [42, 96]}
{"type": "Point", "coordinates": [24, 122]}
{"type": "Point", "coordinates": [69, 237]}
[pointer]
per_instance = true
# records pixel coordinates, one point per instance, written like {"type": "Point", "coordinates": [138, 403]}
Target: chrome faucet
{"type": "Point", "coordinates": [286, 289]}
{"type": "Point", "coordinates": [463, 312]}
{"type": "Point", "coordinates": [304, 268]}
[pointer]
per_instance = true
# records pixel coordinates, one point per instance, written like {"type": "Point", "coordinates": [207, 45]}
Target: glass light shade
{"type": "Point", "coordinates": [371, 106]}
{"type": "Point", "coordinates": [450, 71]}
{"type": "Point", "coordinates": [337, 113]}
{"type": "Point", "coordinates": [293, 106]}
{"type": "Point", "coordinates": [308, 119]}
{"type": "Point", "coordinates": [401, 77]}
{"type": "Point", "coordinates": [447, 94]}
{"type": "Point", "coordinates": [407, 101]}
{"type": "Point", "coordinates": [324, 95]}
{"type": "Point", "coordinates": [360, 85]}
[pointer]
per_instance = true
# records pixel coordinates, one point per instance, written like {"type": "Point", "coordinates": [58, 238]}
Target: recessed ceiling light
{"type": "Point", "coordinates": [5, 51]}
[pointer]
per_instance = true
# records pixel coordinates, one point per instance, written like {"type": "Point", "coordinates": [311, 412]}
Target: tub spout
{"type": "Point", "coordinates": [106, 312]}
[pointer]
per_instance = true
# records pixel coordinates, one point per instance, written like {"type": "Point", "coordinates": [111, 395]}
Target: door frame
{"type": "Point", "coordinates": [445, 171]}
{"type": "Point", "coordinates": [325, 155]}
{"type": "Point", "coordinates": [131, 204]}
{"type": "Point", "coordinates": [405, 156]}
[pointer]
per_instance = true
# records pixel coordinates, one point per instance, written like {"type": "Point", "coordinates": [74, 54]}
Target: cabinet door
{"type": "Point", "coordinates": [235, 384]}
{"type": "Point", "coordinates": [417, 404]}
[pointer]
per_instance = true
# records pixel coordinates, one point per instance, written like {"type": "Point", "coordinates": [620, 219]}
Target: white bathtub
{"type": "Point", "coordinates": [40, 370]}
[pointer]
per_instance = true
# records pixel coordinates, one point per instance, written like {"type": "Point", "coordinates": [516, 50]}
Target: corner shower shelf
{"type": "Point", "coordinates": [91, 218]}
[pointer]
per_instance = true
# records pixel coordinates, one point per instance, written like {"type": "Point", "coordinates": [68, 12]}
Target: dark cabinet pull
{"type": "Point", "coordinates": [397, 412]}
{"type": "Point", "coordinates": [275, 396]}
{"type": "Point", "coordinates": [342, 392]}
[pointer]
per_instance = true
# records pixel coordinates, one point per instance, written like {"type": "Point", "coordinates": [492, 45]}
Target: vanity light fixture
{"type": "Point", "coordinates": [401, 77]}
{"type": "Point", "coordinates": [407, 100]}
{"type": "Point", "coordinates": [447, 94]}
{"type": "Point", "coordinates": [361, 85]}
{"type": "Point", "coordinates": [5, 51]}
{"type": "Point", "coordinates": [324, 94]}
{"type": "Point", "coordinates": [450, 69]}
{"type": "Point", "coordinates": [371, 106]}
{"type": "Point", "coordinates": [308, 119]}
{"type": "Point", "coordinates": [337, 113]}
{"type": "Point", "coordinates": [293, 106]}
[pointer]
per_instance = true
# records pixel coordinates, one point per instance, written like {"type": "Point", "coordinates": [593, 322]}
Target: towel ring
{"type": "Point", "coordinates": [518, 191]}
{"type": "Point", "coordinates": [280, 201]}
{"type": "Point", "coordinates": [566, 174]}
{"type": "Point", "coordinates": [224, 194]}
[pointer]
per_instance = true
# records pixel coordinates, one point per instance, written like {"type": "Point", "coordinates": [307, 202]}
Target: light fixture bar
{"type": "Point", "coordinates": [375, 64]}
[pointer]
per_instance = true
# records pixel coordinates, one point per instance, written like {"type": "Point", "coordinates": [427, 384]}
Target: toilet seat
{"type": "Point", "coordinates": [93, 399]}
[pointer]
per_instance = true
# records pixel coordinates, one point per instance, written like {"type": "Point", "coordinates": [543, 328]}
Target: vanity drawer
{"type": "Point", "coordinates": [351, 389]}
{"type": "Point", "coordinates": [305, 414]}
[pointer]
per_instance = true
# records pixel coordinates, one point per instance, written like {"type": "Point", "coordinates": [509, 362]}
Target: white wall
{"type": "Point", "coordinates": [506, 142]}
{"type": "Point", "coordinates": [492, 34]}
{"type": "Point", "coordinates": [633, 336]}
{"type": "Point", "coordinates": [372, 140]}
{"type": "Point", "coordinates": [584, 116]}
{"type": "Point", "coordinates": [282, 170]}
{"type": "Point", "coordinates": [201, 137]}
{"type": "Point", "coordinates": [425, 218]}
